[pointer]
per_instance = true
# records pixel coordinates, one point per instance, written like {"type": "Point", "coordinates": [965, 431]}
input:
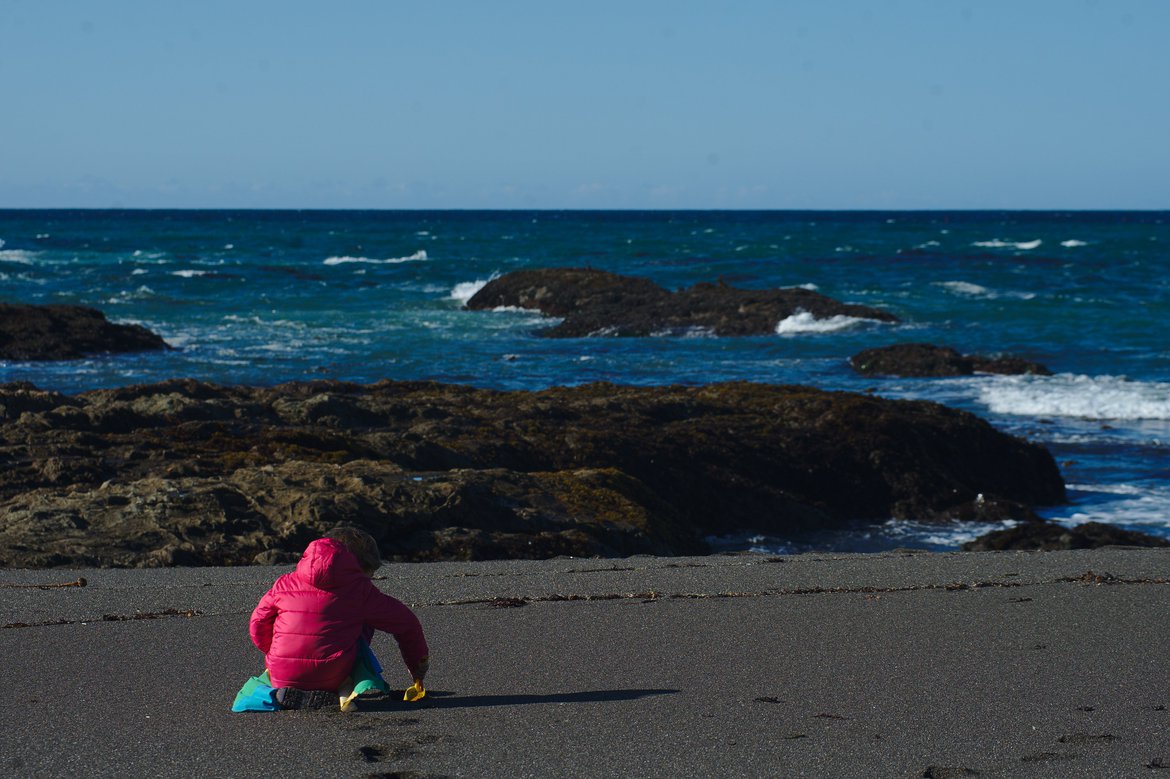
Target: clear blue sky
{"type": "Point", "coordinates": [598, 104]}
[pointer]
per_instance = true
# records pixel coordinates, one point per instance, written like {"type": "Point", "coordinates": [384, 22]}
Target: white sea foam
{"type": "Point", "coordinates": [936, 535]}
{"type": "Point", "coordinates": [1126, 504]}
{"type": "Point", "coordinates": [998, 244]}
{"type": "Point", "coordinates": [418, 256]}
{"type": "Point", "coordinates": [291, 345]}
{"type": "Point", "coordinates": [809, 286]}
{"type": "Point", "coordinates": [465, 290]}
{"type": "Point", "coordinates": [1111, 489]}
{"type": "Point", "coordinates": [967, 289]}
{"type": "Point", "coordinates": [17, 255]}
{"type": "Point", "coordinates": [867, 537]}
{"type": "Point", "coordinates": [1082, 397]}
{"type": "Point", "coordinates": [802, 322]}
{"type": "Point", "coordinates": [1071, 244]}
{"type": "Point", "coordinates": [180, 340]}
{"type": "Point", "coordinates": [189, 274]}
{"type": "Point", "coordinates": [128, 295]}
{"type": "Point", "coordinates": [684, 332]}
{"type": "Point", "coordinates": [288, 323]}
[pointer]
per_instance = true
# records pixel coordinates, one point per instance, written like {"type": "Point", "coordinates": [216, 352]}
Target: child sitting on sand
{"type": "Point", "coordinates": [311, 624]}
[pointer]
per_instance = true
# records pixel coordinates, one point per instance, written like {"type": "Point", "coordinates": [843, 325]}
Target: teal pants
{"type": "Point", "coordinates": [258, 694]}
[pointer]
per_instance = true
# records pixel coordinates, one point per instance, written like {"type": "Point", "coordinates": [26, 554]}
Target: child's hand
{"type": "Point", "coordinates": [416, 692]}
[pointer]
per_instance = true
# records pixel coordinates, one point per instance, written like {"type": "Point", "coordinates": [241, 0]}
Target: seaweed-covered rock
{"type": "Point", "coordinates": [595, 302]}
{"type": "Point", "coordinates": [1050, 536]}
{"type": "Point", "coordinates": [30, 332]}
{"type": "Point", "coordinates": [928, 360]}
{"type": "Point", "coordinates": [188, 473]}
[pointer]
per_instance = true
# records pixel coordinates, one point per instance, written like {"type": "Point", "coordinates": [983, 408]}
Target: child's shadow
{"type": "Point", "coordinates": [449, 700]}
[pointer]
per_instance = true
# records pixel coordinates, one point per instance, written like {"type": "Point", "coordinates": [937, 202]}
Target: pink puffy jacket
{"type": "Point", "coordinates": [309, 623]}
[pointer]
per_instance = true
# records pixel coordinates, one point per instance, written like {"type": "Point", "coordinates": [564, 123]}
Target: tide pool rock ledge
{"type": "Point", "coordinates": [189, 473]}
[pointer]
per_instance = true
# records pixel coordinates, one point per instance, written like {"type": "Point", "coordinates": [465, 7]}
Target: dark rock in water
{"type": "Point", "coordinates": [1007, 365]}
{"type": "Point", "coordinates": [1050, 536]}
{"type": "Point", "coordinates": [67, 333]}
{"type": "Point", "coordinates": [928, 360]}
{"type": "Point", "coordinates": [188, 473]}
{"type": "Point", "coordinates": [594, 302]}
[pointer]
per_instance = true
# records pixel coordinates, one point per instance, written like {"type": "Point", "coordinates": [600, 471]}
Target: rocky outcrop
{"type": "Point", "coordinates": [593, 302]}
{"type": "Point", "coordinates": [188, 473]}
{"type": "Point", "coordinates": [930, 361]}
{"type": "Point", "coordinates": [1049, 536]}
{"type": "Point", "coordinates": [67, 333]}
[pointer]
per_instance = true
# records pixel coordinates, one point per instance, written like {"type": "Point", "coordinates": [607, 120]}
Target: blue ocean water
{"type": "Point", "coordinates": [262, 297]}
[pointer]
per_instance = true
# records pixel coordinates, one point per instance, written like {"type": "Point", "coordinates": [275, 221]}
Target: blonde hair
{"type": "Point", "coordinates": [361, 544]}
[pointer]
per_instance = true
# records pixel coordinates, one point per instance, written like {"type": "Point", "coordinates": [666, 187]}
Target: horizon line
{"type": "Point", "coordinates": [590, 210]}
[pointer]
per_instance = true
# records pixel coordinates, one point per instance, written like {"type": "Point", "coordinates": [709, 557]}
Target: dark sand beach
{"type": "Point", "coordinates": [890, 665]}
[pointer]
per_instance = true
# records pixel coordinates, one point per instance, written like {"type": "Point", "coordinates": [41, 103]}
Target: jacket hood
{"type": "Point", "coordinates": [328, 564]}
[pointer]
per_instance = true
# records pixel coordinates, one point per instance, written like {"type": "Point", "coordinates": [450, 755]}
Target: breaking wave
{"type": "Point", "coordinates": [17, 255]}
{"type": "Point", "coordinates": [1146, 507]}
{"type": "Point", "coordinates": [419, 256]}
{"type": "Point", "coordinates": [998, 244]}
{"type": "Point", "coordinates": [1083, 397]}
{"type": "Point", "coordinates": [967, 289]}
{"type": "Point", "coordinates": [802, 322]}
{"type": "Point", "coordinates": [465, 290]}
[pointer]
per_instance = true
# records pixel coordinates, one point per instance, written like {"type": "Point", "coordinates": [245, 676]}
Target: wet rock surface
{"type": "Point", "coordinates": [1049, 536]}
{"type": "Point", "coordinates": [593, 302]}
{"type": "Point", "coordinates": [929, 360]}
{"type": "Point", "coordinates": [29, 332]}
{"type": "Point", "coordinates": [189, 473]}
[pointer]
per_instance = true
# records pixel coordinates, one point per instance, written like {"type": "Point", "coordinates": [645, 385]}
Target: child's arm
{"type": "Point", "coordinates": [260, 626]}
{"type": "Point", "coordinates": [395, 617]}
